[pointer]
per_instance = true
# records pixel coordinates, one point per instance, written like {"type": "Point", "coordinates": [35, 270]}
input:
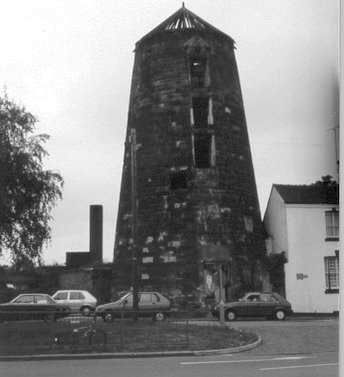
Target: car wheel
{"type": "Point", "coordinates": [159, 316]}
{"type": "Point", "coordinates": [108, 317]}
{"type": "Point", "coordinates": [280, 315]}
{"type": "Point", "coordinates": [48, 318]}
{"type": "Point", "coordinates": [86, 311]}
{"type": "Point", "coordinates": [230, 315]}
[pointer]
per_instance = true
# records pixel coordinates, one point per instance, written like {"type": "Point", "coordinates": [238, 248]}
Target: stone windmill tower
{"type": "Point", "coordinates": [188, 201]}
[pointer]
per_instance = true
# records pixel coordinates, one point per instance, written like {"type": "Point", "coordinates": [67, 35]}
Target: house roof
{"type": "Point", "coordinates": [183, 20]}
{"type": "Point", "coordinates": [317, 193]}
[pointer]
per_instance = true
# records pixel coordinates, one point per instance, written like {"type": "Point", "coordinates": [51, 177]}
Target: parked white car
{"type": "Point", "coordinates": [78, 300]}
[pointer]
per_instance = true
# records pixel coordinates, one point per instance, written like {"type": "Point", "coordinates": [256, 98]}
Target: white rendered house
{"type": "Point", "coordinates": [303, 222]}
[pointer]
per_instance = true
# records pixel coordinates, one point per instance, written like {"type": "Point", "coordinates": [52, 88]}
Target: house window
{"type": "Point", "coordinates": [332, 274]}
{"type": "Point", "coordinates": [332, 224]}
{"type": "Point", "coordinates": [200, 106]}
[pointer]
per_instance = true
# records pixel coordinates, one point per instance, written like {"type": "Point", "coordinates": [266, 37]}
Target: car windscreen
{"type": "Point", "coordinates": [61, 296]}
{"type": "Point", "coordinates": [281, 299]}
{"type": "Point", "coordinates": [123, 298]}
{"type": "Point", "coordinates": [50, 300]}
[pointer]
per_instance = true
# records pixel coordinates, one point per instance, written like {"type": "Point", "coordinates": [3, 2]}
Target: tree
{"type": "Point", "coordinates": [27, 191]}
{"type": "Point", "coordinates": [329, 188]}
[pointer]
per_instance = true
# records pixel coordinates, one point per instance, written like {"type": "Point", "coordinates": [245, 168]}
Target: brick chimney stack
{"type": "Point", "coordinates": [96, 233]}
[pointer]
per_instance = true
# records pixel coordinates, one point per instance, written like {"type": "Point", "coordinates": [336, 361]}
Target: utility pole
{"type": "Point", "coordinates": [134, 271]}
{"type": "Point", "coordinates": [336, 148]}
{"type": "Point", "coordinates": [336, 144]}
{"type": "Point", "coordinates": [221, 305]}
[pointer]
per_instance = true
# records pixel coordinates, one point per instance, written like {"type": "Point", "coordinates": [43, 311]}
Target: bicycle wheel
{"type": "Point", "coordinates": [48, 318]}
{"type": "Point", "coordinates": [97, 338]}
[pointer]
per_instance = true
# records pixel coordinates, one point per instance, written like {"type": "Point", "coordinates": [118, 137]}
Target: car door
{"type": "Point", "coordinates": [76, 300]}
{"type": "Point", "coordinates": [23, 307]}
{"type": "Point", "coordinates": [41, 306]}
{"type": "Point", "coordinates": [267, 304]}
{"type": "Point", "coordinates": [145, 302]}
{"type": "Point", "coordinates": [158, 303]}
{"type": "Point", "coordinates": [127, 303]}
{"type": "Point", "coordinates": [249, 306]}
{"type": "Point", "coordinates": [61, 297]}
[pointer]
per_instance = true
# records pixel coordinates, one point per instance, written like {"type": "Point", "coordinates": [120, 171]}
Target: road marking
{"type": "Point", "coordinates": [300, 366]}
{"type": "Point", "coordinates": [248, 361]}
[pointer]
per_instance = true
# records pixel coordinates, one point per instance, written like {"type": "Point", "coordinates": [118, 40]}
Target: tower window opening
{"type": "Point", "coordinates": [178, 180]}
{"type": "Point", "coordinates": [197, 71]}
{"type": "Point", "coordinates": [202, 148]}
{"type": "Point", "coordinates": [248, 221]}
{"type": "Point", "coordinates": [200, 106]}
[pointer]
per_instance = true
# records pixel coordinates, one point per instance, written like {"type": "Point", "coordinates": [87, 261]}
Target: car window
{"type": "Point", "coordinates": [29, 299]}
{"type": "Point", "coordinates": [155, 298]}
{"type": "Point", "coordinates": [265, 297]}
{"type": "Point", "coordinates": [40, 300]}
{"type": "Point", "coordinates": [252, 297]}
{"type": "Point", "coordinates": [273, 299]}
{"type": "Point", "coordinates": [146, 297]}
{"type": "Point", "coordinates": [61, 296]}
{"type": "Point", "coordinates": [76, 296]}
{"type": "Point", "coordinates": [128, 299]}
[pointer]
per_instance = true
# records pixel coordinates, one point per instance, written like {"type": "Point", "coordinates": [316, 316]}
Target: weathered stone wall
{"type": "Point", "coordinates": [97, 281]}
{"type": "Point", "coordinates": [76, 279]}
{"type": "Point", "coordinates": [212, 212]}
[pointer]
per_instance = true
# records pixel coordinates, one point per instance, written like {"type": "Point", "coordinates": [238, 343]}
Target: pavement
{"type": "Point", "coordinates": [267, 330]}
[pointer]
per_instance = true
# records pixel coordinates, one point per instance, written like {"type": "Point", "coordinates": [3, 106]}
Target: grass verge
{"type": "Point", "coordinates": [144, 335]}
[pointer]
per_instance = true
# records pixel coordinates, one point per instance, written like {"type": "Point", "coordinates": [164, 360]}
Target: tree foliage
{"type": "Point", "coordinates": [329, 189]}
{"type": "Point", "coordinates": [27, 191]}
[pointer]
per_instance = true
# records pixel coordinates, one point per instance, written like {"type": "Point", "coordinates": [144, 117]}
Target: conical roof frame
{"type": "Point", "coordinates": [182, 20]}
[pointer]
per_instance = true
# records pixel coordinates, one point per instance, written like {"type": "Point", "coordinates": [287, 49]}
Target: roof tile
{"type": "Point", "coordinates": [317, 193]}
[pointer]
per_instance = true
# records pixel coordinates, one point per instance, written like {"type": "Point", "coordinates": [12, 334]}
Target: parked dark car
{"type": "Point", "coordinates": [150, 304]}
{"type": "Point", "coordinates": [33, 306]}
{"type": "Point", "coordinates": [256, 304]}
{"type": "Point", "coordinates": [183, 302]}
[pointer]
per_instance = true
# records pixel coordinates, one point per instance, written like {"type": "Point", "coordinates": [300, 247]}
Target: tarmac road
{"type": "Point", "coordinates": [315, 365]}
{"type": "Point", "coordinates": [289, 349]}
{"type": "Point", "coordinates": [293, 336]}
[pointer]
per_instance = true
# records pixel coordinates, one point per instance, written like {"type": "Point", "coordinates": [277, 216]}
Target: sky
{"type": "Point", "coordinates": [69, 62]}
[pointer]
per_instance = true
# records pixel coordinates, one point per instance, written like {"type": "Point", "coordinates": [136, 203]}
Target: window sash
{"type": "Point", "coordinates": [332, 224]}
{"type": "Point", "coordinates": [332, 272]}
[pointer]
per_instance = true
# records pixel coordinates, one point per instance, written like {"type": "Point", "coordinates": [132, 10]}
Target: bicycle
{"type": "Point", "coordinates": [94, 336]}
